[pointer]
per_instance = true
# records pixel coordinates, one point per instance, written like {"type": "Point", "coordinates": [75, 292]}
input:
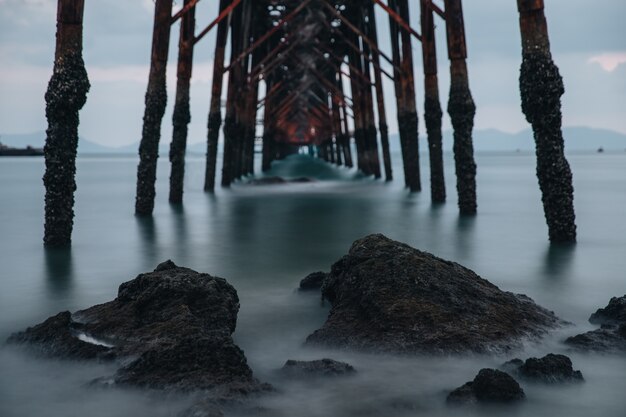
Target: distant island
{"type": "Point", "coordinates": [577, 139]}
{"type": "Point", "coordinates": [27, 151]}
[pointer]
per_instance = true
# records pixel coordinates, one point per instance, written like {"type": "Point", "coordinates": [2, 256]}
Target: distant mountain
{"type": "Point", "coordinates": [576, 139]}
{"type": "Point", "coordinates": [490, 140]}
{"type": "Point", "coordinates": [38, 139]}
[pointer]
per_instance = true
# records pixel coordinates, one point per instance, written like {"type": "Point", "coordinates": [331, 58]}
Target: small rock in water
{"type": "Point", "coordinates": [549, 369]}
{"type": "Point", "coordinates": [490, 385]}
{"type": "Point", "coordinates": [313, 281]}
{"type": "Point", "coordinates": [267, 181]}
{"type": "Point", "coordinates": [611, 336]}
{"type": "Point", "coordinates": [321, 367]}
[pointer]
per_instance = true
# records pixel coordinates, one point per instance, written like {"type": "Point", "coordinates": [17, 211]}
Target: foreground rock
{"type": "Point", "coordinates": [389, 297]}
{"type": "Point", "coordinates": [313, 281]}
{"type": "Point", "coordinates": [490, 385]}
{"type": "Point", "coordinates": [172, 328]}
{"type": "Point", "coordinates": [549, 369]}
{"type": "Point", "coordinates": [611, 336]}
{"type": "Point", "coordinates": [317, 368]}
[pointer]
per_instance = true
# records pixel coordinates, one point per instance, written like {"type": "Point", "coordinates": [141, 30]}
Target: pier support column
{"type": "Point", "coordinates": [405, 95]}
{"type": "Point", "coordinates": [541, 89]}
{"type": "Point", "coordinates": [432, 106]}
{"type": "Point", "coordinates": [380, 98]}
{"type": "Point", "coordinates": [461, 108]}
{"type": "Point", "coordinates": [182, 114]}
{"type": "Point", "coordinates": [156, 100]}
{"type": "Point", "coordinates": [215, 111]}
{"type": "Point", "coordinates": [66, 95]}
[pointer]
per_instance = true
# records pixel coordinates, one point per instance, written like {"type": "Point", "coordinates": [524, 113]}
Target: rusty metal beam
{"type": "Point", "coordinates": [436, 9]}
{"type": "Point", "coordinates": [186, 8]}
{"type": "Point", "coordinates": [357, 49]}
{"type": "Point", "coordinates": [356, 30]}
{"type": "Point", "coordinates": [268, 34]}
{"type": "Point", "coordinates": [224, 14]}
{"type": "Point", "coordinates": [399, 20]}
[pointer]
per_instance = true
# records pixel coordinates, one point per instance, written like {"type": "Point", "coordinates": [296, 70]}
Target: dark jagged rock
{"type": "Point", "coordinates": [389, 297]}
{"type": "Point", "coordinates": [549, 369]}
{"type": "Point", "coordinates": [321, 367]}
{"type": "Point", "coordinates": [608, 340]}
{"type": "Point", "coordinates": [613, 313]}
{"type": "Point", "coordinates": [173, 324]}
{"type": "Point", "coordinates": [512, 366]}
{"type": "Point", "coordinates": [313, 281]}
{"type": "Point", "coordinates": [611, 336]}
{"type": "Point", "coordinates": [490, 385]}
{"type": "Point", "coordinates": [58, 336]}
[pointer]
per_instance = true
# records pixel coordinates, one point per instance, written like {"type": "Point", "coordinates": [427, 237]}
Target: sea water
{"type": "Point", "coordinates": [264, 239]}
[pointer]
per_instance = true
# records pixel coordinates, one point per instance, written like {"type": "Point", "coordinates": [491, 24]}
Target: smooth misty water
{"type": "Point", "coordinates": [265, 239]}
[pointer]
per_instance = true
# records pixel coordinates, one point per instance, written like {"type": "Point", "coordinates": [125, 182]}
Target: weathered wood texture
{"type": "Point", "coordinates": [155, 101]}
{"type": "Point", "coordinates": [432, 105]}
{"type": "Point", "coordinates": [461, 108]}
{"type": "Point", "coordinates": [541, 88]}
{"type": "Point", "coordinates": [182, 113]}
{"type": "Point", "coordinates": [215, 111]}
{"type": "Point", "coordinates": [65, 96]}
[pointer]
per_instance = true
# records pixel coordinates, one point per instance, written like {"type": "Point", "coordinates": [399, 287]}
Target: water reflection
{"type": "Point", "coordinates": [558, 260]}
{"type": "Point", "coordinates": [181, 237]}
{"type": "Point", "coordinates": [59, 270]}
{"type": "Point", "coordinates": [464, 243]}
{"type": "Point", "coordinates": [148, 239]}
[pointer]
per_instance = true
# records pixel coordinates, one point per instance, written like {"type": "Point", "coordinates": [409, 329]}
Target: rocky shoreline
{"type": "Point", "coordinates": [171, 329]}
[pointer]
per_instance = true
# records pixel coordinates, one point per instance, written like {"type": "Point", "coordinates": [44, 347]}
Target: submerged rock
{"type": "Point", "coordinates": [321, 367]}
{"type": "Point", "coordinates": [172, 328]}
{"type": "Point", "coordinates": [313, 281]}
{"type": "Point", "coordinates": [490, 385]}
{"type": "Point", "coordinates": [549, 369]}
{"type": "Point", "coordinates": [278, 180]}
{"type": "Point", "coordinates": [611, 336]}
{"type": "Point", "coordinates": [389, 297]}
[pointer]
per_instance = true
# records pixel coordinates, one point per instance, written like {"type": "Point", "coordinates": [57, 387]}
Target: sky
{"type": "Point", "coordinates": [588, 44]}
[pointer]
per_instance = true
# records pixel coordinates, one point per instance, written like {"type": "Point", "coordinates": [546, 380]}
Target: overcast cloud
{"type": "Point", "coordinates": [588, 43]}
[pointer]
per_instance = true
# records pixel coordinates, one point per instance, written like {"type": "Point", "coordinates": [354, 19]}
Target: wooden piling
{"type": "Point", "coordinates": [405, 94]}
{"type": "Point", "coordinates": [461, 108]}
{"type": "Point", "coordinates": [432, 106]}
{"type": "Point", "coordinates": [182, 115]}
{"type": "Point", "coordinates": [232, 125]}
{"type": "Point", "coordinates": [541, 88]}
{"type": "Point", "coordinates": [65, 96]}
{"type": "Point", "coordinates": [156, 100]}
{"type": "Point", "coordinates": [380, 98]}
{"type": "Point", "coordinates": [370, 123]}
{"type": "Point", "coordinates": [215, 112]}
